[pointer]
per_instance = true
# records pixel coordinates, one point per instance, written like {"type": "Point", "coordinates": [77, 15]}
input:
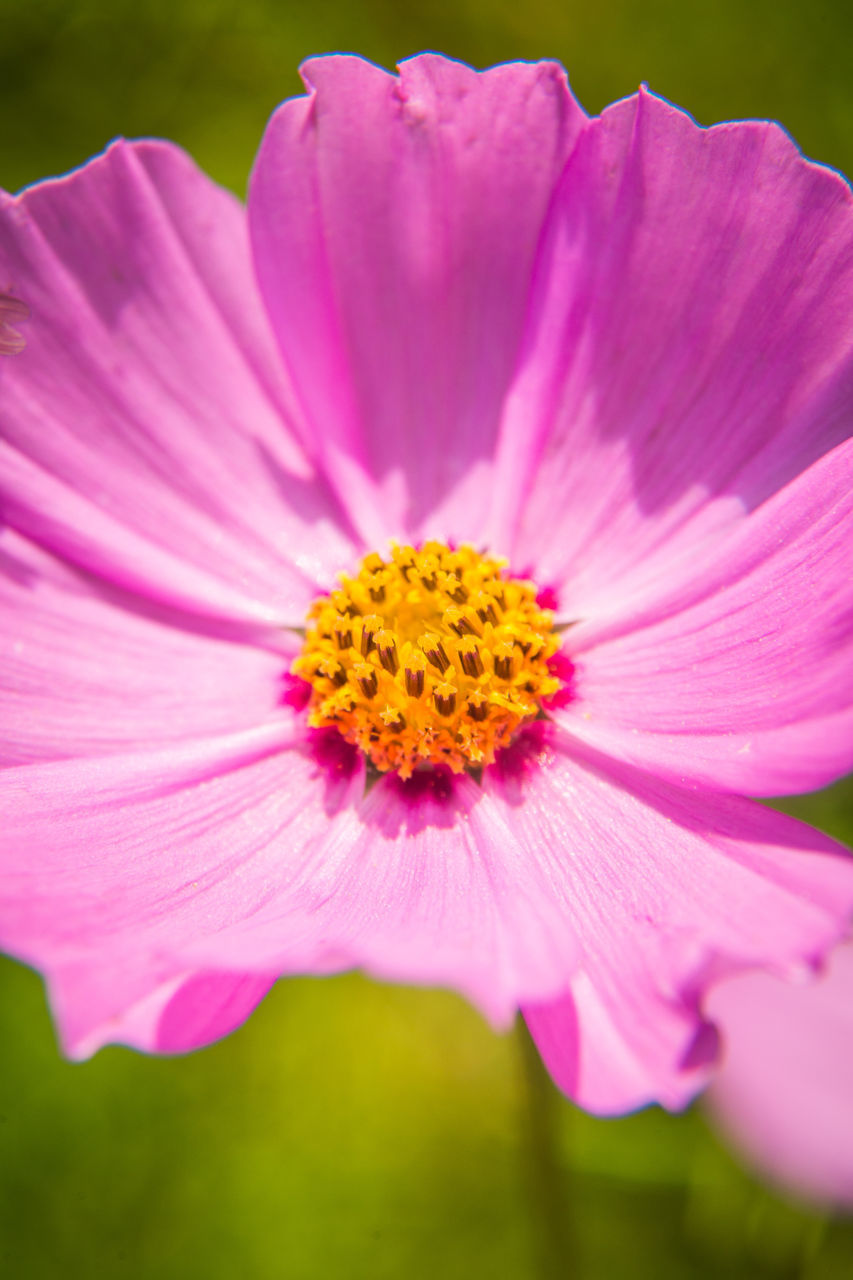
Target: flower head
{"type": "Point", "coordinates": [446, 675]}
{"type": "Point", "coordinates": [411, 570]}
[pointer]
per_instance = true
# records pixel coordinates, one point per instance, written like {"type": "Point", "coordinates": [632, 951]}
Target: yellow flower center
{"type": "Point", "coordinates": [435, 656]}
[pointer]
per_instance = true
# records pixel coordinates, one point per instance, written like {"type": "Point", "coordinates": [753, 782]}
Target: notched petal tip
{"type": "Point", "coordinates": [431, 73]}
{"type": "Point", "coordinates": [327, 68]}
{"type": "Point", "coordinates": [661, 110]}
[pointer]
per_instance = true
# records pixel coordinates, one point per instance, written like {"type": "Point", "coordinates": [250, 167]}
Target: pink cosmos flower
{"type": "Point", "coordinates": [458, 314]}
{"type": "Point", "coordinates": [783, 1092]}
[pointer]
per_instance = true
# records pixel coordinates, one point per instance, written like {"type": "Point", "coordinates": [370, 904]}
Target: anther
{"type": "Point", "coordinates": [386, 647]}
{"type": "Point", "coordinates": [428, 568]}
{"type": "Point", "coordinates": [376, 587]}
{"type": "Point", "coordinates": [405, 561]}
{"type": "Point", "coordinates": [435, 652]}
{"type": "Point", "coordinates": [478, 705]}
{"type": "Point", "coordinates": [456, 620]}
{"type": "Point", "coordinates": [470, 656]}
{"type": "Point", "coordinates": [343, 632]}
{"type": "Point", "coordinates": [343, 604]}
{"type": "Point", "coordinates": [454, 587]}
{"type": "Point", "coordinates": [484, 606]}
{"type": "Point", "coordinates": [415, 674]}
{"type": "Point", "coordinates": [333, 671]}
{"type": "Point", "coordinates": [503, 655]}
{"type": "Point", "coordinates": [444, 696]}
{"type": "Point", "coordinates": [370, 625]}
{"type": "Point", "coordinates": [366, 677]}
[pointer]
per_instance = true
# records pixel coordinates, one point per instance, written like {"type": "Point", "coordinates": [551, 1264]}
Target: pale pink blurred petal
{"type": "Point", "coordinates": [688, 350]}
{"type": "Point", "coordinates": [147, 429]}
{"type": "Point", "coordinates": [784, 1092]}
{"type": "Point", "coordinates": [395, 223]}
{"type": "Point", "coordinates": [741, 675]}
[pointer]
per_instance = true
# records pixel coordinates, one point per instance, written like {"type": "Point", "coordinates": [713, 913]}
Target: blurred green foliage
{"type": "Point", "coordinates": [350, 1129]}
{"type": "Point", "coordinates": [358, 1131]}
{"type": "Point", "coordinates": [207, 73]}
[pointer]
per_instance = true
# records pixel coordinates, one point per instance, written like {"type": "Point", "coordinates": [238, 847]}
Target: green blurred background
{"type": "Point", "coordinates": [353, 1130]}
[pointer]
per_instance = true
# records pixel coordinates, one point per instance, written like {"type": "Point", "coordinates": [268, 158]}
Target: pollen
{"type": "Point", "coordinates": [436, 656]}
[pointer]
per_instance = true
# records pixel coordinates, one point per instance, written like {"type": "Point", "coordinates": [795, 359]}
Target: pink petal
{"type": "Point", "coordinates": [666, 891]}
{"type": "Point", "coordinates": [146, 430]}
{"type": "Point", "coordinates": [688, 351]}
{"type": "Point", "coordinates": [423, 882]}
{"type": "Point", "coordinates": [585, 1045]}
{"type": "Point", "coordinates": [741, 675]}
{"type": "Point", "coordinates": [246, 855]}
{"type": "Point", "coordinates": [98, 1005]}
{"type": "Point", "coordinates": [115, 868]}
{"type": "Point", "coordinates": [255, 854]}
{"type": "Point", "coordinates": [783, 1094]}
{"type": "Point", "coordinates": [82, 675]}
{"type": "Point", "coordinates": [160, 847]}
{"type": "Point", "coordinates": [394, 223]}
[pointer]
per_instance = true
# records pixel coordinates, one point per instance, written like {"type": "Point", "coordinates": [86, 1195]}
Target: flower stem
{"type": "Point", "coordinates": [546, 1178]}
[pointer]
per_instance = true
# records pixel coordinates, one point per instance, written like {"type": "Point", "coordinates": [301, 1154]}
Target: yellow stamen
{"type": "Point", "coordinates": [436, 656]}
{"type": "Point", "coordinates": [444, 696]}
